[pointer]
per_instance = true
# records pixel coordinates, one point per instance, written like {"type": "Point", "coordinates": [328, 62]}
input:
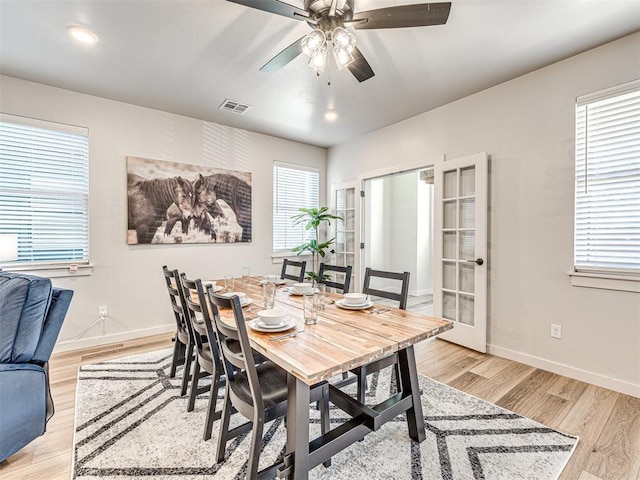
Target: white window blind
{"type": "Point", "coordinates": [44, 190]}
{"type": "Point", "coordinates": [607, 198]}
{"type": "Point", "coordinates": [294, 187]}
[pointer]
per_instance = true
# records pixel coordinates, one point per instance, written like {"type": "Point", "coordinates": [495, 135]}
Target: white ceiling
{"type": "Point", "coordinates": [187, 57]}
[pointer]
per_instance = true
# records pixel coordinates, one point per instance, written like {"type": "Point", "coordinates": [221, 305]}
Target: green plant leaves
{"type": "Point", "coordinates": [312, 218]}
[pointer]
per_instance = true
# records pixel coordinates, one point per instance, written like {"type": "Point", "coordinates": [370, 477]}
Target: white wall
{"type": "Point", "coordinates": [424, 270]}
{"type": "Point", "coordinates": [129, 278]}
{"type": "Point", "coordinates": [527, 126]}
{"type": "Point", "coordinates": [401, 213]}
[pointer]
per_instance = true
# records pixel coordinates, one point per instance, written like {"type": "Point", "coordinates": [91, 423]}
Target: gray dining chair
{"type": "Point", "coordinates": [345, 271]}
{"type": "Point", "coordinates": [207, 360]}
{"type": "Point", "coordinates": [183, 340]}
{"type": "Point", "coordinates": [390, 360]}
{"type": "Point", "coordinates": [256, 390]}
{"type": "Point", "coordinates": [396, 278]}
{"type": "Point", "coordinates": [288, 266]}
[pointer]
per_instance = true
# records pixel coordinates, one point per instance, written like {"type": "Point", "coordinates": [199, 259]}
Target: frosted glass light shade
{"type": "Point", "coordinates": [343, 39]}
{"type": "Point", "coordinates": [319, 61]}
{"type": "Point", "coordinates": [342, 56]}
{"type": "Point", "coordinates": [313, 42]}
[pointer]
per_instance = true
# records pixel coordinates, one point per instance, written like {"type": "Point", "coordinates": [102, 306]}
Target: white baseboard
{"type": "Point", "coordinates": [66, 346]}
{"type": "Point", "coordinates": [568, 371]}
{"type": "Point", "coordinates": [419, 293]}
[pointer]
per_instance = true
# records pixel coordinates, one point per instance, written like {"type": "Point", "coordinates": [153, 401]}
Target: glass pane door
{"type": "Point", "coordinates": [344, 206]}
{"type": "Point", "coordinates": [460, 269]}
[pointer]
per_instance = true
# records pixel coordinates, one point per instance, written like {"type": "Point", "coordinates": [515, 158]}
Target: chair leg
{"type": "Point", "coordinates": [186, 371]}
{"type": "Point", "coordinates": [224, 428]}
{"type": "Point", "coordinates": [195, 377]}
{"type": "Point", "coordinates": [256, 446]}
{"type": "Point", "coordinates": [211, 408]}
{"type": "Point", "coordinates": [175, 361]}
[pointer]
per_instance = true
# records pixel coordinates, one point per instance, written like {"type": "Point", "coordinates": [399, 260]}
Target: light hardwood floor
{"type": "Point", "coordinates": [607, 422]}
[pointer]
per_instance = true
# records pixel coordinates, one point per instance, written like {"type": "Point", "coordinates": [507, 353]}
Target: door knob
{"type": "Point", "coordinates": [479, 261]}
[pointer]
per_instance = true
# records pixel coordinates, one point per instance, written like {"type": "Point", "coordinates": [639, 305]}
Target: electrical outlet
{"type": "Point", "coordinates": [556, 330]}
{"type": "Point", "coordinates": [102, 311]}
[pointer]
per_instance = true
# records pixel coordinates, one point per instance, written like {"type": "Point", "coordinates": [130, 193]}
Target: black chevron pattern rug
{"type": "Point", "coordinates": [131, 423]}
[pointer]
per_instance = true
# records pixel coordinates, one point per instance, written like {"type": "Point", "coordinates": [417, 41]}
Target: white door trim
{"type": "Point", "coordinates": [395, 169]}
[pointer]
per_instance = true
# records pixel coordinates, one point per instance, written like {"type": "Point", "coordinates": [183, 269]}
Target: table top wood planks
{"type": "Point", "coordinates": [341, 340]}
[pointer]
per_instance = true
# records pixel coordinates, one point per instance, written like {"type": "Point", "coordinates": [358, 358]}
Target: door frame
{"type": "Point", "coordinates": [396, 169]}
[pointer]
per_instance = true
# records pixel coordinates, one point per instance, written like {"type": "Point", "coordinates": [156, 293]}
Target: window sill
{"type": "Point", "coordinates": [51, 271]}
{"type": "Point", "coordinates": [605, 282]}
{"type": "Point", "coordinates": [278, 257]}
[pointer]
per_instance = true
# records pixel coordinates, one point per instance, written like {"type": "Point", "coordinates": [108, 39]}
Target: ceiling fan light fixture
{"type": "Point", "coordinates": [343, 39]}
{"type": "Point", "coordinates": [313, 42]}
{"type": "Point", "coordinates": [319, 61]}
{"type": "Point", "coordinates": [342, 57]}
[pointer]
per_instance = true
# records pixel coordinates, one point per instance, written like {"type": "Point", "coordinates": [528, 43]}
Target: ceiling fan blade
{"type": "Point", "coordinates": [284, 57]}
{"type": "Point", "coordinates": [332, 9]}
{"type": "Point", "coordinates": [275, 6]}
{"type": "Point", "coordinates": [360, 68]}
{"type": "Point", "coordinates": [417, 15]}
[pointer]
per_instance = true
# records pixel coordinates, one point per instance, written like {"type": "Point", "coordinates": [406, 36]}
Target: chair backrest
{"type": "Point", "coordinates": [176, 296]}
{"type": "Point", "coordinates": [196, 302]}
{"type": "Point", "coordinates": [229, 332]}
{"type": "Point", "coordinates": [346, 271]}
{"type": "Point", "coordinates": [286, 271]}
{"type": "Point", "coordinates": [404, 286]}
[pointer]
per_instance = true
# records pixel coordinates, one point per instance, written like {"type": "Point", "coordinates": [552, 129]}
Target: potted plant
{"type": "Point", "coordinates": [312, 218]}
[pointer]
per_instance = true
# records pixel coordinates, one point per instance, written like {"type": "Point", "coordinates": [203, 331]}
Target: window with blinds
{"type": "Point", "coordinates": [607, 196]}
{"type": "Point", "coordinates": [294, 187]}
{"type": "Point", "coordinates": [44, 191]}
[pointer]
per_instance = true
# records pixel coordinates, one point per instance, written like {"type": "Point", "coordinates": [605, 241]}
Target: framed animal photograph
{"type": "Point", "coordinates": [171, 202]}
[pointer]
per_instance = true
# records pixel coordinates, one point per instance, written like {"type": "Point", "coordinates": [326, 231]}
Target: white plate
{"type": "Point", "coordinates": [356, 305]}
{"type": "Point", "coordinates": [216, 288]}
{"type": "Point", "coordinates": [289, 324]}
{"type": "Point", "coordinates": [243, 303]}
{"type": "Point", "coordinates": [259, 323]}
{"type": "Point", "coordinates": [363, 306]}
{"type": "Point", "coordinates": [293, 291]}
{"type": "Point", "coordinates": [280, 281]}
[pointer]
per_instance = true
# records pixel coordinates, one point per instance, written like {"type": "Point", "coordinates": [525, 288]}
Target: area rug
{"type": "Point", "coordinates": [131, 423]}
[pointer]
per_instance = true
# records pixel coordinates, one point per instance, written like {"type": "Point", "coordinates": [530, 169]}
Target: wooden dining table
{"type": "Point", "coordinates": [340, 341]}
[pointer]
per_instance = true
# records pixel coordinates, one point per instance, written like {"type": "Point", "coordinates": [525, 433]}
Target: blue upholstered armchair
{"type": "Point", "coordinates": [31, 314]}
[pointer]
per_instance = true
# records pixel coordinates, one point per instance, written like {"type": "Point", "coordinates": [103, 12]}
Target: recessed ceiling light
{"type": "Point", "coordinates": [330, 116]}
{"type": "Point", "coordinates": [82, 34]}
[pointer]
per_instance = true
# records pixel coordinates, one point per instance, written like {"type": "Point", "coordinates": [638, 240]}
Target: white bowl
{"type": "Point", "coordinates": [354, 298]}
{"type": "Point", "coordinates": [302, 287]}
{"type": "Point", "coordinates": [273, 316]}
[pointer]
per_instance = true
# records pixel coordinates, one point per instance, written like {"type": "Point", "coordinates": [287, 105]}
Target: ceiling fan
{"type": "Point", "coordinates": [329, 20]}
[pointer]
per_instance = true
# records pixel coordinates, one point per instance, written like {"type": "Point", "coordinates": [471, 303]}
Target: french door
{"type": "Point", "coordinates": [460, 249]}
{"type": "Point", "coordinates": [344, 202]}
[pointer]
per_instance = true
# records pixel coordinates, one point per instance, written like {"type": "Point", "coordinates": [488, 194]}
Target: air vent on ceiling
{"type": "Point", "coordinates": [235, 107]}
